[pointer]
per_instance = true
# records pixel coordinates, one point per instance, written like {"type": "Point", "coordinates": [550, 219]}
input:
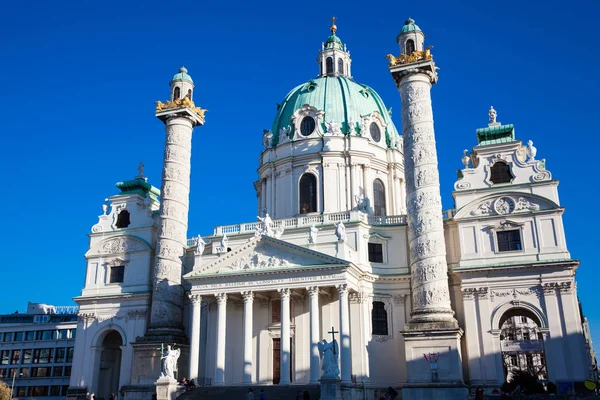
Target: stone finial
{"type": "Point", "coordinates": [140, 169]}
{"type": "Point", "coordinates": [465, 158]}
{"type": "Point", "coordinates": [531, 151]}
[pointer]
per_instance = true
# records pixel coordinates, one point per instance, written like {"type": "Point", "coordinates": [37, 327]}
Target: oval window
{"type": "Point", "coordinates": [375, 132]}
{"type": "Point", "coordinates": [307, 126]}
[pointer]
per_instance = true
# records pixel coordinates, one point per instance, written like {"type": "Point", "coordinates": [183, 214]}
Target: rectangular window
{"type": "Point", "coordinates": [42, 356]}
{"type": "Point", "coordinates": [509, 240]}
{"type": "Point", "coordinates": [116, 274]}
{"type": "Point", "coordinates": [16, 357]}
{"type": "Point", "coordinates": [526, 336]}
{"type": "Point", "coordinates": [3, 372]}
{"type": "Point", "coordinates": [513, 360]}
{"type": "Point", "coordinates": [376, 252]}
{"type": "Point", "coordinates": [40, 372]}
{"type": "Point", "coordinates": [27, 356]}
{"type": "Point", "coordinates": [12, 373]}
{"type": "Point", "coordinates": [58, 371]}
{"type": "Point", "coordinates": [67, 370]}
{"type": "Point", "coordinates": [60, 355]}
{"type": "Point", "coordinates": [73, 333]}
{"type": "Point", "coordinates": [25, 372]}
{"type": "Point", "coordinates": [63, 334]}
{"type": "Point", "coordinates": [39, 391]}
{"type": "Point", "coordinates": [70, 351]}
{"type": "Point", "coordinates": [4, 357]}
{"type": "Point", "coordinates": [524, 319]}
{"type": "Point", "coordinates": [47, 335]}
{"type": "Point", "coordinates": [64, 390]}
{"type": "Point", "coordinates": [379, 318]}
{"type": "Point", "coordinates": [8, 337]}
{"type": "Point", "coordinates": [30, 336]}
{"type": "Point", "coordinates": [54, 390]}
{"type": "Point", "coordinates": [38, 335]}
{"type": "Point", "coordinates": [19, 336]}
{"type": "Point", "coordinates": [21, 391]}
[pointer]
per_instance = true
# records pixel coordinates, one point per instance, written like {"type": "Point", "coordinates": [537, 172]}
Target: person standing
{"type": "Point", "coordinates": [262, 396]}
{"type": "Point", "coordinates": [250, 394]}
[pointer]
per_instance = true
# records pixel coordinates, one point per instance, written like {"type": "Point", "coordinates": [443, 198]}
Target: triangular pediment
{"type": "Point", "coordinates": [266, 253]}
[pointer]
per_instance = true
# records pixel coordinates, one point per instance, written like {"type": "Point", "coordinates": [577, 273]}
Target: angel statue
{"type": "Point", "coordinates": [329, 351]}
{"type": "Point", "coordinates": [169, 362]}
{"type": "Point", "coordinates": [267, 225]}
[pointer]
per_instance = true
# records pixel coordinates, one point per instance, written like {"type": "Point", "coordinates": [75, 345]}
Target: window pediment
{"type": "Point", "coordinates": [301, 121]}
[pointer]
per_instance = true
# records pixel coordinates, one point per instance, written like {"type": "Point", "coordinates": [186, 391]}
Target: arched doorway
{"type": "Point", "coordinates": [522, 344]}
{"type": "Point", "coordinates": [110, 365]}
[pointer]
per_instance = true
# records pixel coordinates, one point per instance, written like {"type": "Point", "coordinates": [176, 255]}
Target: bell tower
{"type": "Point", "coordinates": [432, 336]}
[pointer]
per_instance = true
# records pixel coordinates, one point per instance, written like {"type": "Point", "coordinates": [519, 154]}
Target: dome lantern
{"type": "Point", "coordinates": [182, 85]}
{"type": "Point", "coordinates": [334, 59]}
{"type": "Point", "coordinates": [411, 37]}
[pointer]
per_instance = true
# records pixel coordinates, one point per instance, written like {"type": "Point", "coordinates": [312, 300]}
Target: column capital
{"type": "Point", "coordinates": [248, 296]}
{"type": "Point", "coordinates": [284, 293]}
{"type": "Point", "coordinates": [195, 298]}
{"type": "Point", "coordinates": [342, 289]}
{"type": "Point", "coordinates": [313, 290]}
{"type": "Point", "coordinates": [221, 298]}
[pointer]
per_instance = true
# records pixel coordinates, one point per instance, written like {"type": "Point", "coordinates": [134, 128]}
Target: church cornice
{"type": "Point", "coordinates": [558, 265]}
{"type": "Point", "coordinates": [85, 300]}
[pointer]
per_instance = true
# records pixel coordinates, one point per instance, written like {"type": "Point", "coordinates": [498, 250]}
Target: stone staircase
{"type": "Point", "coordinates": [273, 392]}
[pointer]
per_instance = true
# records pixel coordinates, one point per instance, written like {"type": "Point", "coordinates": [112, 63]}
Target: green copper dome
{"type": "Point", "coordinates": [341, 99]}
{"type": "Point", "coordinates": [333, 42]}
{"type": "Point", "coordinates": [182, 76]}
{"type": "Point", "coordinates": [410, 26]}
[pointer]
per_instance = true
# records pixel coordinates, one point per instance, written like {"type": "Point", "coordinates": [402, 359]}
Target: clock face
{"type": "Point", "coordinates": [504, 205]}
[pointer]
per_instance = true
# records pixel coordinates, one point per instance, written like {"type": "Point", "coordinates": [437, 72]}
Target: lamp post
{"type": "Point", "coordinates": [13, 383]}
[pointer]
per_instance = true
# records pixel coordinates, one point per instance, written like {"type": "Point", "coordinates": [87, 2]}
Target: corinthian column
{"type": "Point", "coordinates": [285, 336]}
{"type": "Point", "coordinates": [196, 301]}
{"type": "Point", "coordinates": [248, 320]}
{"type": "Point", "coordinates": [430, 295]}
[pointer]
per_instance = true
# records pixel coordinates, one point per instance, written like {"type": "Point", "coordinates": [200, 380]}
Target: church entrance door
{"type": "Point", "coordinates": [110, 365]}
{"type": "Point", "coordinates": [277, 360]}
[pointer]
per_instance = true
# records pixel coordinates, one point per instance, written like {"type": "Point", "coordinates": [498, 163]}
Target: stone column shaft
{"type": "Point", "coordinates": [196, 301]}
{"type": "Point", "coordinates": [167, 297]}
{"type": "Point", "coordinates": [248, 319]}
{"type": "Point", "coordinates": [285, 336]}
{"type": "Point", "coordinates": [430, 294]}
{"type": "Point", "coordinates": [345, 351]}
{"type": "Point", "coordinates": [314, 333]}
{"type": "Point", "coordinates": [221, 334]}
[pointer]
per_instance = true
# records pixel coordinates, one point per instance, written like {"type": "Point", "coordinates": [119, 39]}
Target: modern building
{"type": "Point", "coordinates": [352, 245]}
{"type": "Point", "coordinates": [36, 350]}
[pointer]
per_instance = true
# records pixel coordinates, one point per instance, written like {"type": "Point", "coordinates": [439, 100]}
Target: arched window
{"type": "Point", "coordinates": [308, 194]}
{"type": "Point", "coordinates": [522, 344]}
{"type": "Point", "coordinates": [410, 46]}
{"type": "Point", "coordinates": [123, 219]}
{"type": "Point", "coordinates": [329, 65]}
{"type": "Point", "coordinates": [500, 173]}
{"type": "Point", "coordinates": [189, 95]}
{"type": "Point", "coordinates": [176, 93]}
{"type": "Point", "coordinates": [379, 319]}
{"type": "Point", "coordinates": [378, 197]}
{"type": "Point", "coordinates": [340, 66]}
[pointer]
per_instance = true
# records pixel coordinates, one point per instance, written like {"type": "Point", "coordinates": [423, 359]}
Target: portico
{"type": "Point", "coordinates": [265, 319]}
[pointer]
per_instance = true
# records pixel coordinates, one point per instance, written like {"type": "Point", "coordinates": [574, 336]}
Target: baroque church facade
{"type": "Point", "coordinates": [351, 241]}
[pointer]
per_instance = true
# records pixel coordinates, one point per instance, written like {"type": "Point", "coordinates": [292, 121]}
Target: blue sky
{"type": "Point", "coordinates": [78, 81]}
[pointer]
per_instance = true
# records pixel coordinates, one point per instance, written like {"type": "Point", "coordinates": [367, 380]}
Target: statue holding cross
{"type": "Point", "coordinates": [329, 352]}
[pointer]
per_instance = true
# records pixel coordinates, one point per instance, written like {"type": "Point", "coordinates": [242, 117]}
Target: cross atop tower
{"type": "Point", "coordinates": [333, 27]}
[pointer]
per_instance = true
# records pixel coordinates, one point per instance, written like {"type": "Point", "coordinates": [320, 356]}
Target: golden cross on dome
{"type": "Point", "coordinates": [333, 27]}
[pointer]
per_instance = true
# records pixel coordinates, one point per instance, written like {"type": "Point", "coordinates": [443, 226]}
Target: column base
{"type": "Point", "coordinates": [168, 389]}
{"type": "Point", "coordinates": [439, 340]}
{"type": "Point", "coordinates": [331, 389]}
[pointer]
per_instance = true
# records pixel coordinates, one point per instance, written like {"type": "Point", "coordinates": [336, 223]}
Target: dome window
{"type": "Point", "coordinates": [410, 46]}
{"type": "Point", "coordinates": [176, 93]}
{"type": "Point", "coordinates": [375, 132]}
{"type": "Point", "coordinates": [329, 65]}
{"type": "Point", "coordinates": [308, 194]}
{"type": "Point", "coordinates": [340, 66]}
{"type": "Point", "coordinates": [189, 95]}
{"type": "Point", "coordinates": [307, 126]}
